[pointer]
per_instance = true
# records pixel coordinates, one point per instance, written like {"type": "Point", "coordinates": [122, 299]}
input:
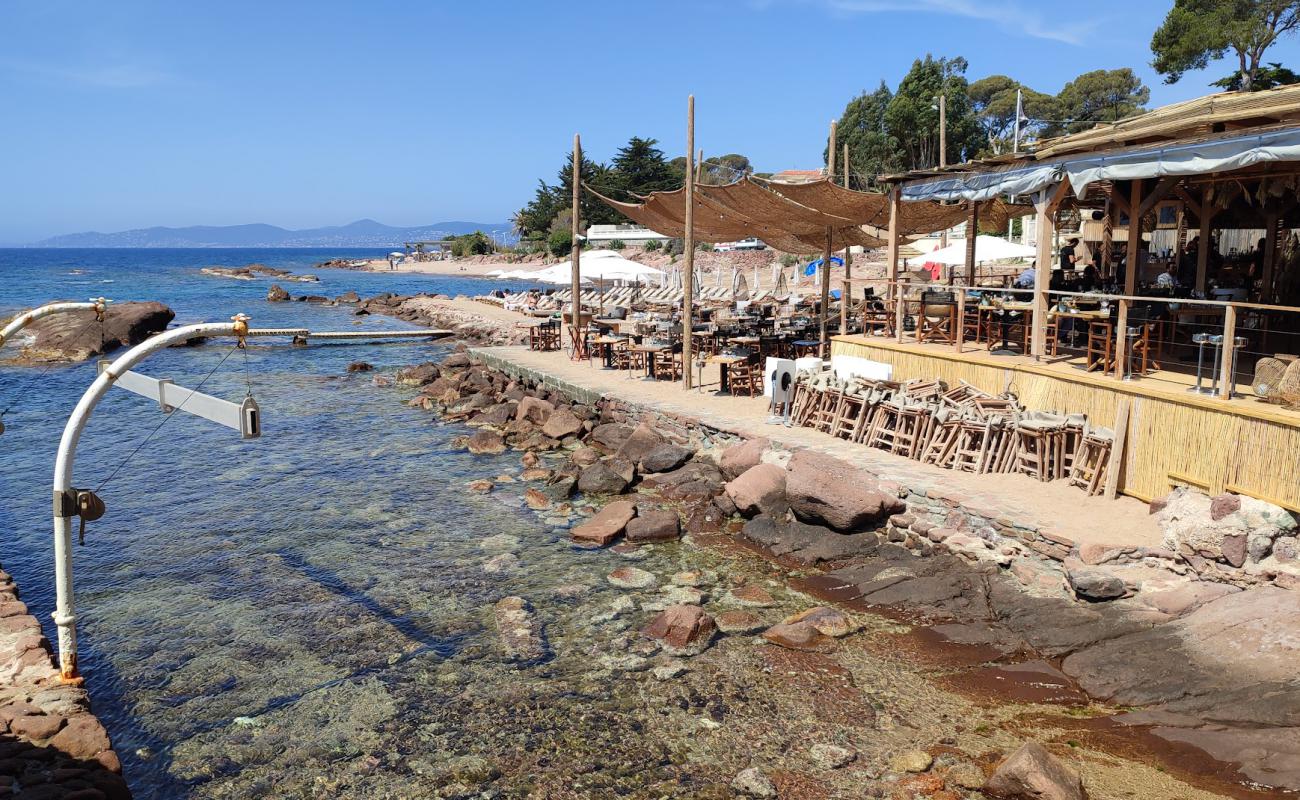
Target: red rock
{"type": "Point", "coordinates": [486, 442]}
{"type": "Point", "coordinates": [799, 636]}
{"type": "Point", "coordinates": [13, 711]}
{"type": "Point", "coordinates": [739, 622]}
{"type": "Point", "coordinates": [657, 525]}
{"type": "Point", "coordinates": [536, 500]}
{"type": "Point", "coordinates": [682, 628]}
{"type": "Point", "coordinates": [535, 410]}
{"type": "Point", "coordinates": [562, 423]}
{"type": "Point", "coordinates": [751, 595]}
{"type": "Point", "coordinates": [1032, 773]}
{"type": "Point", "coordinates": [481, 486]}
{"type": "Point", "coordinates": [585, 456]}
{"type": "Point", "coordinates": [110, 762]}
{"type": "Point", "coordinates": [82, 737]}
{"type": "Point", "coordinates": [36, 727]}
{"type": "Point", "coordinates": [12, 608]}
{"type": "Point", "coordinates": [759, 489]}
{"type": "Point", "coordinates": [606, 526]}
{"type": "Point", "coordinates": [1093, 554]}
{"type": "Point", "coordinates": [1233, 548]}
{"type": "Point", "coordinates": [827, 621]}
{"type": "Point", "coordinates": [738, 458]}
{"type": "Point", "coordinates": [530, 460]}
{"type": "Point", "coordinates": [1224, 504]}
{"type": "Point", "coordinates": [821, 488]}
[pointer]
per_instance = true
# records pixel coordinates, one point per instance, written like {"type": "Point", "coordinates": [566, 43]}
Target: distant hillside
{"type": "Point", "coordinates": [362, 233]}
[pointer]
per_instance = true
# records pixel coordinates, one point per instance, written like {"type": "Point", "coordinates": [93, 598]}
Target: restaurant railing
{"type": "Point", "coordinates": [1245, 328]}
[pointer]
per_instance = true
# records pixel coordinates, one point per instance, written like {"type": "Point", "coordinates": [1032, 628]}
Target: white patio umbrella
{"type": "Point", "coordinates": [987, 249]}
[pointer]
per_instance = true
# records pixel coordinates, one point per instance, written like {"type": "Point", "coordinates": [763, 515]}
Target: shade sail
{"type": "Point", "coordinates": [987, 248]}
{"type": "Point", "coordinates": [743, 209]}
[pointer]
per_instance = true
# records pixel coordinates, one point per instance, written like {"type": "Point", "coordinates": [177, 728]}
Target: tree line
{"type": "Point", "coordinates": [895, 130]}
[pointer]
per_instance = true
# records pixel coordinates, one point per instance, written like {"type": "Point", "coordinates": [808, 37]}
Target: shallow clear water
{"type": "Point", "coordinates": [292, 615]}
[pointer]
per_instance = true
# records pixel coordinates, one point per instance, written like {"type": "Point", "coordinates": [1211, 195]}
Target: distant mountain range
{"type": "Point", "coordinates": [362, 233]}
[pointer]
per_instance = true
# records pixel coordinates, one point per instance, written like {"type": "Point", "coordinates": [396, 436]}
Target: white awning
{"type": "Point", "coordinates": [1223, 154]}
{"type": "Point", "coordinates": [1196, 158]}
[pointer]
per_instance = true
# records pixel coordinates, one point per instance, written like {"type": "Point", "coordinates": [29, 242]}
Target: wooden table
{"type": "Point", "coordinates": [650, 350]}
{"type": "Point", "coordinates": [605, 346]}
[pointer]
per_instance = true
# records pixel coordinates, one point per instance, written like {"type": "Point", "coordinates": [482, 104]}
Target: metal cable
{"type": "Point", "coordinates": [165, 419]}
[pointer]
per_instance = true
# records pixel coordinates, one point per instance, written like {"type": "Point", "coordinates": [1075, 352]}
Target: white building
{"type": "Point", "coordinates": [630, 235]}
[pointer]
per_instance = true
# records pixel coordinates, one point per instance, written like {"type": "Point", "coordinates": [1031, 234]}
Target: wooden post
{"type": "Point", "coordinates": [895, 213]}
{"type": "Point", "coordinates": [699, 166]}
{"type": "Point", "coordinates": [1270, 255]}
{"type": "Point", "coordinates": [1117, 449]}
{"type": "Point", "coordinates": [960, 333]}
{"type": "Point", "coordinates": [1227, 376]}
{"type": "Point", "coordinates": [972, 234]}
{"type": "Point", "coordinates": [1131, 269]}
{"type": "Point", "coordinates": [1043, 229]}
{"type": "Point", "coordinates": [688, 267]}
{"type": "Point", "coordinates": [846, 294]}
{"type": "Point", "coordinates": [825, 348]}
{"type": "Point", "coordinates": [575, 251]}
{"type": "Point", "coordinates": [1203, 251]}
{"type": "Point", "coordinates": [1107, 266]}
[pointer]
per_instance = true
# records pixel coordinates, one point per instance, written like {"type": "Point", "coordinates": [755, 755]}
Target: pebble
{"type": "Point", "coordinates": [912, 761]}
{"type": "Point", "coordinates": [754, 783]}
{"type": "Point", "coordinates": [505, 562]}
{"type": "Point", "coordinates": [666, 672]}
{"type": "Point", "coordinates": [683, 595]}
{"type": "Point", "coordinates": [631, 578]}
{"type": "Point", "coordinates": [632, 552]}
{"type": "Point", "coordinates": [480, 486]}
{"type": "Point", "coordinates": [500, 541]}
{"type": "Point", "coordinates": [739, 622]}
{"type": "Point", "coordinates": [830, 756]}
{"type": "Point", "coordinates": [624, 662]}
{"type": "Point", "coordinates": [688, 578]}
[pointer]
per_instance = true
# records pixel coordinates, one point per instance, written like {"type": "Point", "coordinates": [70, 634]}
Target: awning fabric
{"type": "Point", "coordinates": [1195, 158]}
{"type": "Point", "coordinates": [1222, 154]}
{"type": "Point", "coordinates": [872, 208]}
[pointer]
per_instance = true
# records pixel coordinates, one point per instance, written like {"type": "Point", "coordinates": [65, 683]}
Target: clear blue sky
{"type": "Point", "coordinates": [128, 114]}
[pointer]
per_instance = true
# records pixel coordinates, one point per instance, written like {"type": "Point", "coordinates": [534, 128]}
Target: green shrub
{"type": "Point", "coordinates": [704, 247]}
{"type": "Point", "coordinates": [616, 244]}
{"type": "Point", "coordinates": [789, 259]}
{"type": "Point", "coordinates": [653, 245]}
{"type": "Point", "coordinates": [560, 242]}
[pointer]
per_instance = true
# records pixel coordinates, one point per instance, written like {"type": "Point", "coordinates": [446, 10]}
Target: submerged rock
{"type": "Point", "coordinates": [519, 631]}
{"type": "Point", "coordinates": [830, 756]}
{"type": "Point", "coordinates": [912, 761]}
{"type": "Point", "coordinates": [485, 442]}
{"type": "Point", "coordinates": [631, 578]}
{"type": "Point", "coordinates": [753, 783]}
{"type": "Point", "coordinates": [825, 620]}
{"type": "Point", "coordinates": [799, 636]}
{"type": "Point", "coordinates": [682, 629]}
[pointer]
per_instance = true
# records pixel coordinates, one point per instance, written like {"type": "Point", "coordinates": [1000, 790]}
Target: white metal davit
{"type": "Point", "coordinates": [98, 304]}
{"type": "Point", "coordinates": [243, 417]}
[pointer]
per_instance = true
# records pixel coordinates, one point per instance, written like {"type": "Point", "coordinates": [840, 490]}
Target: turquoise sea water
{"type": "Point", "coordinates": [259, 617]}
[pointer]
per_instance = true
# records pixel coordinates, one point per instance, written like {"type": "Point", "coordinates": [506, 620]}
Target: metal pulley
{"type": "Point", "coordinates": [90, 508]}
{"type": "Point", "coordinates": [81, 503]}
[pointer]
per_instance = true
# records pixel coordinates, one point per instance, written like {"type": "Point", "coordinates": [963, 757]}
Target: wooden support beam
{"type": "Point", "coordinates": [846, 294]}
{"type": "Point", "coordinates": [1204, 216]}
{"type": "Point", "coordinates": [1121, 339]}
{"type": "Point", "coordinates": [1119, 201]}
{"type": "Point", "coordinates": [891, 257]}
{"type": "Point", "coordinates": [960, 325]}
{"type": "Point", "coordinates": [575, 250]}
{"type": "Point", "coordinates": [1227, 376]}
{"type": "Point", "coordinates": [1270, 257]}
{"type": "Point", "coordinates": [1160, 192]}
{"type": "Point", "coordinates": [1044, 227]}
{"type": "Point", "coordinates": [1197, 208]}
{"type": "Point", "coordinates": [825, 348]}
{"type": "Point", "coordinates": [972, 233]}
{"type": "Point", "coordinates": [1131, 265]}
{"type": "Point", "coordinates": [688, 263]}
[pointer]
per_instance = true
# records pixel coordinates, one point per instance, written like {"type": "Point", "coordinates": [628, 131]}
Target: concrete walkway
{"type": "Point", "coordinates": [1056, 507]}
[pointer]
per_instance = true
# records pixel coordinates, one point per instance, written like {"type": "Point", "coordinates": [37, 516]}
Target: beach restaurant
{"type": "Point", "coordinates": [1175, 324]}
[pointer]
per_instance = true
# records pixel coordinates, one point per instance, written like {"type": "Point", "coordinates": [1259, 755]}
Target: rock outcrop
{"type": "Point", "coordinates": [77, 336]}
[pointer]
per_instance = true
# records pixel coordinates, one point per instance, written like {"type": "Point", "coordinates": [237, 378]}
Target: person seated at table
{"type": "Point", "coordinates": [1090, 280]}
{"type": "Point", "coordinates": [1169, 278]}
{"type": "Point", "coordinates": [1026, 279]}
{"type": "Point", "coordinates": [1056, 282]}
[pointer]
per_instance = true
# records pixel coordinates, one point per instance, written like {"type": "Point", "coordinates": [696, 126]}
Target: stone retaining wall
{"type": "Point", "coordinates": [51, 745]}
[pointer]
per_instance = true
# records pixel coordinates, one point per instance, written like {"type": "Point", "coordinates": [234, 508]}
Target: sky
{"type": "Point", "coordinates": [127, 114]}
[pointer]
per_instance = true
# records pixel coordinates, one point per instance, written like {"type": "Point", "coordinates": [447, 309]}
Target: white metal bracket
{"type": "Point", "coordinates": [244, 416]}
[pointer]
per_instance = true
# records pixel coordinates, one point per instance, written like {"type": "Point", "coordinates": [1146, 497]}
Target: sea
{"type": "Point", "coordinates": [299, 615]}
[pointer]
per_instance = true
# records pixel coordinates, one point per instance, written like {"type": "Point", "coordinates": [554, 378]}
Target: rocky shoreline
{"type": "Point", "coordinates": [77, 335]}
{"type": "Point", "coordinates": [1208, 660]}
{"type": "Point", "coordinates": [51, 744]}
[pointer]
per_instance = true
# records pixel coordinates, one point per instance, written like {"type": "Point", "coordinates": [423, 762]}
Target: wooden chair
{"type": "Point", "coordinates": [668, 366]}
{"type": "Point", "coordinates": [579, 349]}
{"type": "Point", "coordinates": [627, 358]}
{"type": "Point", "coordinates": [1088, 470]}
{"type": "Point", "coordinates": [545, 336]}
{"type": "Point", "coordinates": [937, 319]}
{"type": "Point", "coordinates": [1101, 345]}
{"type": "Point", "coordinates": [746, 377]}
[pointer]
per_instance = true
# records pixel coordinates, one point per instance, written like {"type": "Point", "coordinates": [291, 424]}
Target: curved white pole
{"type": "Point", "coordinates": [28, 317]}
{"type": "Point", "coordinates": [64, 615]}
